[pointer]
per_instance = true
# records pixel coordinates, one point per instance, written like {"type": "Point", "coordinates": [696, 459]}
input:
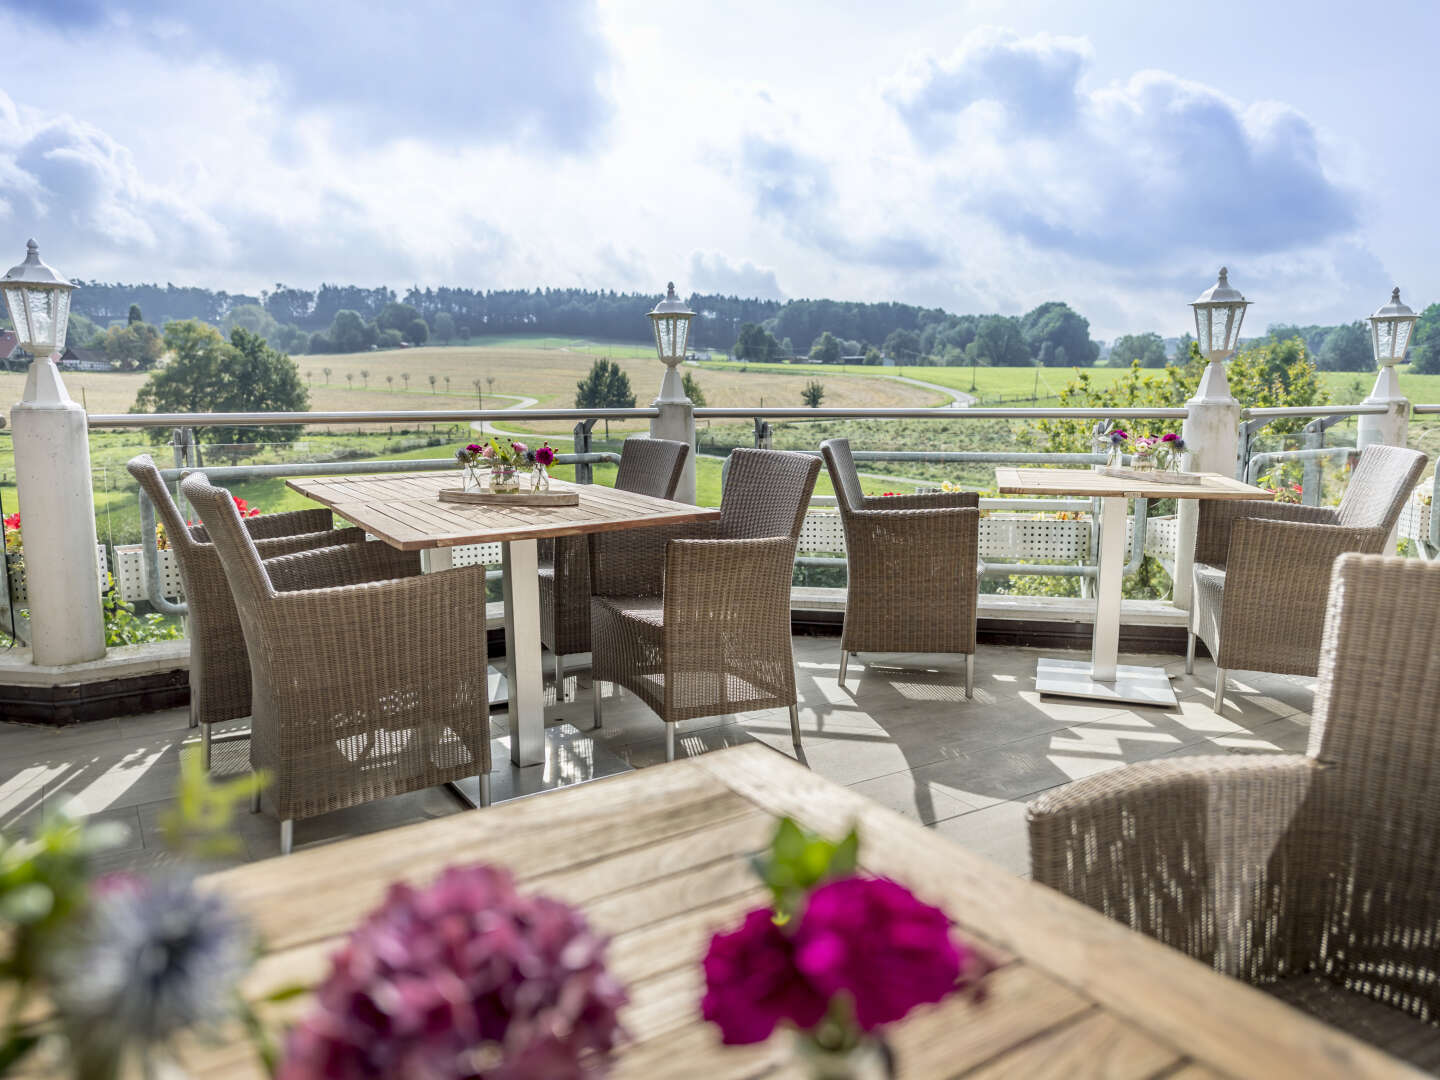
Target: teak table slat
{"type": "Point", "coordinates": [1103, 676]}
{"type": "Point", "coordinates": [404, 510]}
{"type": "Point", "coordinates": [659, 860]}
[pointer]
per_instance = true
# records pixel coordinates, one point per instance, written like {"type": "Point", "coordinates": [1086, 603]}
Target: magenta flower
{"type": "Point", "coordinates": [465, 978]}
{"type": "Point", "coordinates": [1169, 436]}
{"type": "Point", "coordinates": [1118, 434]}
{"type": "Point", "coordinates": [752, 982]}
{"type": "Point", "coordinates": [545, 456]}
{"type": "Point", "coordinates": [474, 448]}
{"type": "Point", "coordinates": [872, 939]}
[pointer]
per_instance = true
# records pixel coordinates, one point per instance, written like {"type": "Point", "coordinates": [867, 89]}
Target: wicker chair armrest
{"type": "Point", "coordinates": [287, 545]}
{"type": "Point", "coordinates": [922, 501]}
{"type": "Point", "coordinates": [340, 565]}
{"type": "Point", "coordinates": [719, 590]}
{"type": "Point", "coordinates": [1285, 566]}
{"type": "Point", "coordinates": [631, 562]}
{"type": "Point", "coordinates": [1218, 517]}
{"type": "Point", "coordinates": [289, 523]}
{"type": "Point", "coordinates": [1191, 851]}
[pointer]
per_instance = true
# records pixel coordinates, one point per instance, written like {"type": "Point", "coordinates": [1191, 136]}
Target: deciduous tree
{"type": "Point", "coordinates": [605, 387]}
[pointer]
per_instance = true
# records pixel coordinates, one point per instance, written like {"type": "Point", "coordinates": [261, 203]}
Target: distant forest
{"type": "Point", "coordinates": [349, 318]}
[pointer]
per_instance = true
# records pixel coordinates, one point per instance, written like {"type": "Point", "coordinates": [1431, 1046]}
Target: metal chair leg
{"type": "Point", "coordinates": [669, 742]}
{"type": "Point", "coordinates": [1189, 651]}
{"type": "Point", "coordinates": [844, 665]}
{"type": "Point", "coordinates": [287, 836]}
{"type": "Point", "coordinates": [205, 745]}
{"type": "Point", "coordinates": [255, 801]}
{"type": "Point", "coordinates": [970, 676]}
{"type": "Point", "coordinates": [484, 789]}
{"type": "Point", "coordinates": [560, 678]}
{"type": "Point", "coordinates": [1219, 688]}
{"type": "Point", "coordinates": [595, 688]}
{"type": "Point", "coordinates": [795, 724]}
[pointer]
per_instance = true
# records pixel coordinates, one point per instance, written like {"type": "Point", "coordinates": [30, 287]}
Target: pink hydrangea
{"type": "Point", "coordinates": [465, 978]}
{"type": "Point", "coordinates": [487, 452]}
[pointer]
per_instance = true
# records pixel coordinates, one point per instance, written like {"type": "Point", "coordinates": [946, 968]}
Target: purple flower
{"type": "Point", "coordinates": [545, 456]}
{"type": "Point", "coordinates": [872, 939]}
{"type": "Point", "coordinates": [1117, 437]}
{"type": "Point", "coordinates": [462, 979]}
{"type": "Point", "coordinates": [1170, 436]}
{"type": "Point", "coordinates": [474, 448]}
{"type": "Point", "coordinates": [752, 982]}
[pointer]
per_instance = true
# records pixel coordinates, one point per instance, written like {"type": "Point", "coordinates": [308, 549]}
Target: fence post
{"type": "Point", "coordinates": [1391, 427]}
{"type": "Point", "coordinates": [677, 421]}
{"type": "Point", "coordinates": [57, 521]}
{"type": "Point", "coordinates": [1212, 438]}
{"type": "Point", "coordinates": [583, 472]}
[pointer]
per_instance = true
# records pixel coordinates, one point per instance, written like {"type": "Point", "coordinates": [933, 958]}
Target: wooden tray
{"type": "Point", "coordinates": [510, 498]}
{"type": "Point", "coordinates": [1154, 476]}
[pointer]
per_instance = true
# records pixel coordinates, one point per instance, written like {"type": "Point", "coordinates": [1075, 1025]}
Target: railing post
{"type": "Point", "coordinates": [583, 473]}
{"type": "Point", "coordinates": [677, 421]}
{"type": "Point", "coordinates": [1212, 439]}
{"type": "Point", "coordinates": [1392, 427]}
{"type": "Point", "coordinates": [57, 521]}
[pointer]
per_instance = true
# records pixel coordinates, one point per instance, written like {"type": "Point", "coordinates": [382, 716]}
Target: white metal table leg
{"type": "Point", "coordinates": [1103, 676]}
{"type": "Point", "coordinates": [433, 560]}
{"type": "Point", "coordinates": [524, 674]}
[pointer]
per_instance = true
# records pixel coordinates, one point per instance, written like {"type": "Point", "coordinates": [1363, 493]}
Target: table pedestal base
{"type": "Point", "coordinates": [1137, 685]}
{"type": "Point", "coordinates": [570, 756]}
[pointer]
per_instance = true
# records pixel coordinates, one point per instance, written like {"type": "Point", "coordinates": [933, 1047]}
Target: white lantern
{"type": "Point", "coordinates": [1390, 329]}
{"type": "Point", "coordinates": [1219, 311]}
{"type": "Point", "coordinates": [39, 302]}
{"type": "Point", "coordinates": [670, 319]}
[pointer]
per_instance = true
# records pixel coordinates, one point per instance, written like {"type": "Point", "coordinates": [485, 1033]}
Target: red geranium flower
{"type": "Point", "coordinates": [12, 521]}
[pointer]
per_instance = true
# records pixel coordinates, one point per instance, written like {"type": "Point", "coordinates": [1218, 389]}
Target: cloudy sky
{"type": "Point", "coordinates": [980, 155]}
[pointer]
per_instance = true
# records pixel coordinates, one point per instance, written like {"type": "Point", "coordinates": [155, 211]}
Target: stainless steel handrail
{"type": "Point", "coordinates": [277, 419]}
{"type": "Point", "coordinates": [1315, 410]}
{"type": "Point", "coordinates": [800, 413]}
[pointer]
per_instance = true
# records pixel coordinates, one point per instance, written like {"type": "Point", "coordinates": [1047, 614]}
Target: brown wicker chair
{"type": "Point", "coordinates": [695, 619]}
{"type": "Point", "coordinates": [219, 669]}
{"type": "Point", "coordinates": [369, 678]}
{"type": "Point", "coordinates": [1262, 570]}
{"type": "Point", "coordinates": [647, 467]}
{"type": "Point", "coordinates": [913, 565]}
{"type": "Point", "coordinates": [1315, 876]}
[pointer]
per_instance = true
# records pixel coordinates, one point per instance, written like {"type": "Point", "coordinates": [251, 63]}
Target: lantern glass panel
{"type": "Point", "coordinates": [42, 317]}
{"type": "Point", "coordinates": [1202, 330]}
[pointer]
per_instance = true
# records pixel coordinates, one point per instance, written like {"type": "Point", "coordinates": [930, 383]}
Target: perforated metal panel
{"type": "Point", "coordinates": [472, 554]}
{"type": "Point", "coordinates": [822, 532]}
{"type": "Point", "coordinates": [129, 572]}
{"type": "Point", "coordinates": [21, 596]}
{"type": "Point", "coordinates": [1415, 518]}
{"type": "Point", "coordinates": [1008, 537]}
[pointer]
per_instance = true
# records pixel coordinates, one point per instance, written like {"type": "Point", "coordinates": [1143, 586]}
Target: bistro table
{"type": "Point", "coordinates": [1102, 676]}
{"type": "Point", "coordinates": [660, 859]}
{"type": "Point", "coordinates": [403, 510]}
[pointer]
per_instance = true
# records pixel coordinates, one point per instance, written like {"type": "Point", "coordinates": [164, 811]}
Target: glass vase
{"type": "Point", "coordinates": [1143, 460]}
{"type": "Point", "coordinates": [869, 1059]}
{"type": "Point", "coordinates": [503, 479]}
{"type": "Point", "coordinates": [1117, 456]}
{"type": "Point", "coordinates": [540, 478]}
{"type": "Point", "coordinates": [471, 479]}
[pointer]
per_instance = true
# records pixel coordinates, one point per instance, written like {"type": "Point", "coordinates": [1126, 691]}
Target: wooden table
{"type": "Point", "coordinates": [659, 860]}
{"type": "Point", "coordinates": [403, 510]}
{"type": "Point", "coordinates": [1103, 676]}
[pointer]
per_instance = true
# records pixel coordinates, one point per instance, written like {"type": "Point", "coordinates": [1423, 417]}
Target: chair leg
{"type": "Point", "coordinates": [559, 678]}
{"type": "Point", "coordinates": [970, 676]}
{"type": "Point", "coordinates": [669, 741]}
{"type": "Point", "coordinates": [484, 789]}
{"type": "Point", "coordinates": [1219, 688]}
{"type": "Point", "coordinates": [844, 665]}
{"type": "Point", "coordinates": [287, 836]}
{"type": "Point", "coordinates": [1189, 651]}
{"type": "Point", "coordinates": [205, 745]}
{"type": "Point", "coordinates": [255, 801]}
{"type": "Point", "coordinates": [596, 686]}
{"type": "Point", "coordinates": [795, 724]}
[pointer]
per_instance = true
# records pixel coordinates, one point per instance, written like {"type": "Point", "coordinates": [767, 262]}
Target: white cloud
{"type": "Point", "coordinates": [713, 273]}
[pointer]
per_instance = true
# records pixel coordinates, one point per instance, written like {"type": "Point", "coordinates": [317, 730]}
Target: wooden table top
{"type": "Point", "coordinates": [404, 510]}
{"type": "Point", "coordinates": [1087, 482]}
{"type": "Point", "coordinates": [659, 860]}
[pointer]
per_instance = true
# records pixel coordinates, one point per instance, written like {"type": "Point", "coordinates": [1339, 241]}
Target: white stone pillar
{"type": "Point", "coordinates": [677, 421]}
{"type": "Point", "coordinates": [1211, 433]}
{"type": "Point", "coordinates": [57, 521]}
{"type": "Point", "coordinates": [1391, 427]}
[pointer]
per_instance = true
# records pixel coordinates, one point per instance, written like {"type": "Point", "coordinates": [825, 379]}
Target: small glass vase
{"type": "Point", "coordinates": [869, 1059]}
{"type": "Point", "coordinates": [1143, 460]}
{"type": "Point", "coordinates": [471, 479]}
{"type": "Point", "coordinates": [1117, 456]}
{"type": "Point", "coordinates": [503, 479]}
{"type": "Point", "coordinates": [540, 478]}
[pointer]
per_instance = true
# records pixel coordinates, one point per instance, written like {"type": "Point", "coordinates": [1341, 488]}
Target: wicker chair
{"type": "Point", "coordinates": [695, 619]}
{"type": "Point", "coordinates": [219, 669]}
{"type": "Point", "coordinates": [369, 678]}
{"type": "Point", "coordinates": [647, 467]}
{"type": "Point", "coordinates": [913, 564]}
{"type": "Point", "coordinates": [1315, 876]}
{"type": "Point", "coordinates": [1262, 570]}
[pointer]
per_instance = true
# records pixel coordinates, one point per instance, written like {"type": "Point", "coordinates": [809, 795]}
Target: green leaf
{"type": "Point", "coordinates": [27, 904]}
